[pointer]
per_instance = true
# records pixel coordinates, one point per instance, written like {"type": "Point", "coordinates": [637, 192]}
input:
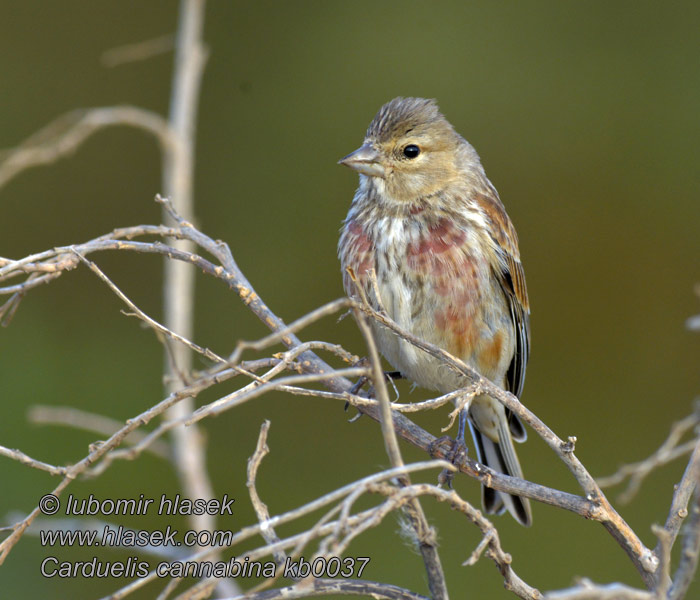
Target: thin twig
{"type": "Point", "coordinates": [589, 591]}
{"type": "Point", "coordinates": [345, 587]}
{"type": "Point", "coordinates": [276, 521]}
{"type": "Point", "coordinates": [68, 132]}
{"type": "Point", "coordinates": [21, 457]}
{"type": "Point", "coordinates": [670, 450]}
{"type": "Point", "coordinates": [122, 239]}
{"type": "Point", "coordinates": [594, 508]}
{"type": "Point", "coordinates": [96, 453]}
{"type": "Point", "coordinates": [152, 323]}
{"type": "Point", "coordinates": [681, 496]}
{"type": "Point", "coordinates": [301, 323]}
{"type": "Point", "coordinates": [138, 51]}
{"type": "Point", "coordinates": [189, 444]}
{"type": "Point", "coordinates": [80, 419]}
{"type": "Point", "coordinates": [690, 550]}
{"type": "Point", "coordinates": [425, 536]}
{"type": "Point", "coordinates": [261, 511]}
{"type": "Point", "coordinates": [643, 558]}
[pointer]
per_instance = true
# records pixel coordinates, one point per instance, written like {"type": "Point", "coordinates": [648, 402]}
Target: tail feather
{"type": "Point", "coordinates": [517, 429]}
{"type": "Point", "coordinates": [501, 457]}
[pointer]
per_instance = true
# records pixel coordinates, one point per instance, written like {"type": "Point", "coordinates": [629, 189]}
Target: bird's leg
{"type": "Point", "coordinates": [461, 428]}
{"type": "Point", "coordinates": [390, 376]}
{"type": "Point", "coordinates": [458, 447]}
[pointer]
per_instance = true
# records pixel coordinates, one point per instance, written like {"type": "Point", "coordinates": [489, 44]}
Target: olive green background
{"type": "Point", "coordinates": [586, 118]}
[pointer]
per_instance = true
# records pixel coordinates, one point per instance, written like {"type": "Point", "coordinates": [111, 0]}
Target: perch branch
{"type": "Point", "coordinates": [594, 507]}
{"type": "Point", "coordinates": [122, 239]}
{"type": "Point", "coordinates": [643, 558]}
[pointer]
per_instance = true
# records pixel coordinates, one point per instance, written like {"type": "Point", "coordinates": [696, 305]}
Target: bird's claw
{"type": "Point", "coordinates": [456, 454]}
{"type": "Point", "coordinates": [359, 384]}
{"type": "Point", "coordinates": [363, 380]}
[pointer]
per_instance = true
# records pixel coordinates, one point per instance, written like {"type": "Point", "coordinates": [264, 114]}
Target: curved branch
{"type": "Point", "coordinates": [67, 133]}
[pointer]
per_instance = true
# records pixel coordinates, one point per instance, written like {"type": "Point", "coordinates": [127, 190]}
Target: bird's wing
{"type": "Point", "coordinates": [512, 280]}
{"type": "Point", "coordinates": [508, 270]}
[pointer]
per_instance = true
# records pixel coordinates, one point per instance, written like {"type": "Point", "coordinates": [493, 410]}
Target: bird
{"type": "Point", "coordinates": [427, 233]}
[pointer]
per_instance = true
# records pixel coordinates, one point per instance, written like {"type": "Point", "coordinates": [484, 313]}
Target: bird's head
{"type": "Point", "coordinates": [409, 151]}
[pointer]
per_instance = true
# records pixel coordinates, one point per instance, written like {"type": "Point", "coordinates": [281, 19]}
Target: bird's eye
{"type": "Point", "coordinates": [411, 151]}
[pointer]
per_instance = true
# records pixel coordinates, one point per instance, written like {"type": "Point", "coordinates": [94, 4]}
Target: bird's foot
{"type": "Point", "coordinates": [454, 451]}
{"type": "Point", "coordinates": [390, 376]}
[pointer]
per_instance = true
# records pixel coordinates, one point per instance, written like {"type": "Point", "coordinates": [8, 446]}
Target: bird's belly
{"type": "Point", "coordinates": [454, 305]}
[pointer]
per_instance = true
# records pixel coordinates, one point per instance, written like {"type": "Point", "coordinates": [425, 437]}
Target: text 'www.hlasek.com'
{"type": "Point", "coordinates": [170, 544]}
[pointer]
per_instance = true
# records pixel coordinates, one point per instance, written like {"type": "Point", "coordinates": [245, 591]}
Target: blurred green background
{"type": "Point", "coordinates": [586, 116]}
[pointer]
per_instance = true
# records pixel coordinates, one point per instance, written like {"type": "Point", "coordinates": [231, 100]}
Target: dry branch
{"type": "Point", "coordinates": [301, 359]}
{"type": "Point", "coordinates": [346, 587]}
{"type": "Point", "coordinates": [294, 370]}
{"type": "Point", "coordinates": [314, 369]}
{"type": "Point", "coordinates": [297, 370]}
{"type": "Point", "coordinates": [424, 535]}
{"type": "Point", "coordinates": [670, 450]}
{"type": "Point", "coordinates": [22, 458]}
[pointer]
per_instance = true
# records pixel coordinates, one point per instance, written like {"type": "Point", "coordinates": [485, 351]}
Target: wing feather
{"type": "Point", "coordinates": [509, 272]}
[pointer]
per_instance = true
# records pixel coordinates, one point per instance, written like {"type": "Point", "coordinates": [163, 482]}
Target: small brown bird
{"type": "Point", "coordinates": [430, 224]}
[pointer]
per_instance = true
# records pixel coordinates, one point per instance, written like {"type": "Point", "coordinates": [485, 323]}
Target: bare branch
{"type": "Point", "coordinates": [189, 445]}
{"type": "Point", "coordinates": [68, 132]}
{"type": "Point", "coordinates": [79, 419]}
{"type": "Point", "coordinates": [690, 550]}
{"type": "Point", "coordinates": [681, 496]}
{"type": "Point", "coordinates": [277, 336]}
{"type": "Point", "coordinates": [96, 453]}
{"type": "Point", "coordinates": [424, 535]}
{"type": "Point", "coordinates": [253, 391]}
{"type": "Point", "coordinates": [138, 51]}
{"type": "Point", "coordinates": [21, 457]}
{"type": "Point", "coordinates": [663, 552]}
{"type": "Point", "coordinates": [493, 548]}
{"type": "Point", "coordinates": [300, 357]}
{"type": "Point", "coordinates": [345, 587]}
{"type": "Point", "coordinates": [670, 450]}
{"type": "Point", "coordinates": [259, 506]}
{"type": "Point", "coordinates": [642, 557]}
{"type": "Point", "coordinates": [169, 588]}
{"type": "Point", "coordinates": [137, 312]}
{"type": "Point", "coordinates": [122, 240]}
{"type": "Point", "coordinates": [292, 541]}
{"type": "Point", "coordinates": [589, 591]}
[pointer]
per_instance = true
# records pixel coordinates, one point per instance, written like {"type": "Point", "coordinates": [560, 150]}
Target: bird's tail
{"type": "Point", "coordinates": [500, 456]}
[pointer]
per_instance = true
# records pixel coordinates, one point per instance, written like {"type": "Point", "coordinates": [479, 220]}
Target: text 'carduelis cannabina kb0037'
{"type": "Point", "coordinates": [429, 224]}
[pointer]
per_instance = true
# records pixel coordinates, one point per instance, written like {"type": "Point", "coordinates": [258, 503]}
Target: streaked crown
{"type": "Point", "coordinates": [407, 115]}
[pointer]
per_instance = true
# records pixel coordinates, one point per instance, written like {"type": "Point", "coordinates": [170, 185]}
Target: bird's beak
{"type": "Point", "coordinates": [364, 160]}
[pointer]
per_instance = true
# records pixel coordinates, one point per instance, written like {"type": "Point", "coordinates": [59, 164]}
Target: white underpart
{"type": "Point", "coordinates": [395, 296]}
